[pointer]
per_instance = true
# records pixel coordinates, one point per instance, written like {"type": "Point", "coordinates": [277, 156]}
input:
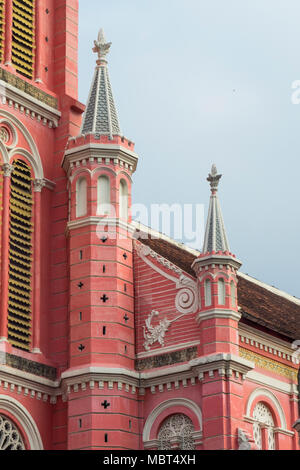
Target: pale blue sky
{"type": "Point", "coordinates": [198, 82]}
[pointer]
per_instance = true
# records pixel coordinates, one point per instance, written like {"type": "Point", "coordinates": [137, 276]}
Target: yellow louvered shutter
{"type": "Point", "coordinates": [23, 36]}
{"type": "Point", "coordinates": [20, 257]}
{"type": "Point", "coordinates": [2, 23]}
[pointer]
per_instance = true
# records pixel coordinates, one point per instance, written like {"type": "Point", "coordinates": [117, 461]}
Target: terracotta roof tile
{"type": "Point", "coordinates": [258, 304]}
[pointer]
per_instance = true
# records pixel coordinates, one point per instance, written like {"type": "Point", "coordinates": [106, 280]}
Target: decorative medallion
{"type": "Point", "coordinates": [176, 431]}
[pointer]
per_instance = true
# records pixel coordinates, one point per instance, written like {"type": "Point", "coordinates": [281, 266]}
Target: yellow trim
{"type": "Point", "coordinates": [28, 309]}
{"type": "Point", "coordinates": [17, 344]}
{"type": "Point", "coordinates": [15, 335]}
{"type": "Point", "coordinates": [19, 328]}
{"type": "Point", "coordinates": [26, 222]}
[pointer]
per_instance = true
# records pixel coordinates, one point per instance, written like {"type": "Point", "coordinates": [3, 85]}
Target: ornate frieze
{"type": "Point", "coordinates": [35, 368]}
{"type": "Point", "coordinates": [161, 360]}
{"type": "Point", "coordinates": [269, 364]}
{"type": "Point", "coordinates": [28, 88]}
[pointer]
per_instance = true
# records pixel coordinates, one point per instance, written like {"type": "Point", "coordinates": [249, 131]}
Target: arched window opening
{"type": "Point", "coordinates": [233, 294]}
{"type": "Point", "coordinates": [177, 430]}
{"type": "Point", "coordinates": [81, 197]}
{"type": "Point", "coordinates": [103, 199]}
{"type": "Point", "coordinates": [123, 202]}
{"type": "Point", "coordinates": [20, 256]}
{"type": "Point", "coordinates": [10, 437]}
{"type": "Point", "coordinates": [221, 291]}
{"type": "Point", "coordinates": [263, 423]}
{"type": "Point", "coordinates": [23, 36]}
{"type": "Point", "coordinates": [207, 292]}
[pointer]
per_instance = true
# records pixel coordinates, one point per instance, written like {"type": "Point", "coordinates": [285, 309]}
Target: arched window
{"type": "Point", "coordinates": [233, 294]}
{"type": "Point", "coordinates": [20, 256]}
{"type": "Point", "coordinates": [103, 198]}
{"type": "Point", "coordinates": [81, 197]}
{"type": "Point", "coordinates": [263, 423]}
{"type": "Point", "coordinates": [207, 292]}
{"type": "Point", "coordinates": [123, 200]}
{"type": "Point", "coordinates": [176, 429]}
{"type": "Point", "coordinates": [221, 291]}
{"type": "Point", "coordinates": [10, 437]}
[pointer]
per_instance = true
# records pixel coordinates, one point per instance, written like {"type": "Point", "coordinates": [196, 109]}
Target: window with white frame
{"type": "Point", "coordinates": [263, 420]}
{"type": "Point", "coordinates": [103, 198]}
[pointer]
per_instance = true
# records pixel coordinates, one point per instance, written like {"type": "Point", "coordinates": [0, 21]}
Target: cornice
{"type": "Point", "coordinates": [218, 313]}
{"type": "Point", "coordinates": [224, 363]}
{"type": "Point", "coordinates": [95, 220]}
{"type": "Point", "coordinates": [119, 154]}
{"type": "Point", "coordinates": [28, 105]}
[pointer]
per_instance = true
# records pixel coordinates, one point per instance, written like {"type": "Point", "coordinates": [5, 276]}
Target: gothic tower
{"type": "Point", "coordinates": [99, 162]}
{"type": "Point", "coordinates": [39, 111]}
{"type": "Point", "coordinates": [222, 390]}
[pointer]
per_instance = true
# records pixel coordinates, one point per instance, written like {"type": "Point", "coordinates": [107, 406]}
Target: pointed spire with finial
{"type": "Point", "coordinates": [215, 235]}
{"type": "Point", "coordinates": [101, 116]}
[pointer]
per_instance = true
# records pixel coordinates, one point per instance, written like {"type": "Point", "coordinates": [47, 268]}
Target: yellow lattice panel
{"type": "Point", "coordinates": [2, 25]}
{"type": "Point", "coordinates": [20, 256]}
{"type": "Point", "coordinates": [23, 36]}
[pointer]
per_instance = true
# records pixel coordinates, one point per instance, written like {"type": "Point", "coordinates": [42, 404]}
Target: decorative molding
{"type": "Point", "coordinates": [26, 365]}
{"type": "Point", "coordinates": [7, 170]}
{"type": "Point", "coordinates": [28, 88]}
{"type": "Point", "coordinates": [152, 334]}
{"type": "Point", "coordinates": [38, 185]}
{"type": "Point", "coordinates": [163, 360]}
{"type": "Point", "coordinates": [243, 440]}
{"type": "Point", "coordinates": [225, 364]}
{"type": "Point", "coordinates": [169, 404]}
{"type": "Point", "coordinates": [263, 392]}
{"type": "Point", "coordinates": [269, 364]}
{"type": "Point", "coordinates": [29, 105]}
{"type": "Point", "coordinates": [264, 341]}
{"type": "Point", "coordinates": [218, 313]}
{"type": "Point", "coordinates": [265, 380]}
{"type": "Point", "coordinates": [187, 299]}
{"type": "Point", "coordinates": [174, 348]}
{"type": "Point", "coordinates": [102, 153]}
{"type": "Point", "coordinates": [11, 405]}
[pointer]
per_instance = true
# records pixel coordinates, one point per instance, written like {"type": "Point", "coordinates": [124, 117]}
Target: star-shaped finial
{"type": "Point", "coordinates": [101, 47]}
{"type": "Point", "coordinates": [214, 178]}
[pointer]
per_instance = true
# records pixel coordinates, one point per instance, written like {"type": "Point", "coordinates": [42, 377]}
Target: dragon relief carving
{"type": "Point", "coordinates": [153, 334]}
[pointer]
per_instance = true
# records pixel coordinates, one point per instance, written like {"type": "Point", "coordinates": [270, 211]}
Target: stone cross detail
{"type": "Point", "coordinates": [105, 404]}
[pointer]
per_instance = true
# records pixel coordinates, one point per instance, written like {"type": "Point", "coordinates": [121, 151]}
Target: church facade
{"type": "Point", "coordinates": [113, 336]}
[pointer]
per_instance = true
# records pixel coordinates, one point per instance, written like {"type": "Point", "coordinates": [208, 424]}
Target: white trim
{"type": "Point", "coordinates": [39, 173]}
{"type": "Point", "coordinates": [20, 99]}
{"type": "Point", "coordinates": [192, 406]}
{"type": "Point", "coordinates": [158, 352]}
{"type": "Point", "coordinates": [263, 392]}
{"type": "Point", "coordinates": [11, 405]}
{"type": "Point", "coordinates": [266, 380]}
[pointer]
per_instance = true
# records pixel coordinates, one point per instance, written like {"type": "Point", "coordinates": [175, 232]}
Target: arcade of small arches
{"type": "Point", "coordinates": [104, 199]}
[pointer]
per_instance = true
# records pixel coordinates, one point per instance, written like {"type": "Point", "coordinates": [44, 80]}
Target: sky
{"type": "Point", "coordinates": [198, 82]}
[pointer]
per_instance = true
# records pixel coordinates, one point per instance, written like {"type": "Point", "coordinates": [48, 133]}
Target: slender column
{"type": "Point", "coordinates": [39, 14]}
{"type": "Point", "coordinates": [7, 169]}
{"type": "Point", "coordinates": [38, 185]}
{"type": "Point", "coordinates": [8, 32]}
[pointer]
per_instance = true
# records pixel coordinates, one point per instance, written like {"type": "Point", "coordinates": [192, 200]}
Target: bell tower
{"type": "Point", "coordinates": [99, 164]}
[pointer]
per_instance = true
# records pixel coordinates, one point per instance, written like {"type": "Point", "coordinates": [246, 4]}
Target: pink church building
{"type": "Point", "coordinates": [113, 336]}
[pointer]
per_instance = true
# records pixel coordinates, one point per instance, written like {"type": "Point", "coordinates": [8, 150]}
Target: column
{"type": "Point", "coordinates": [38, 185]}
{"type": "Point", "coordinates": [8, 32]}
{"type": "Point", "coordinates": [7, 171]}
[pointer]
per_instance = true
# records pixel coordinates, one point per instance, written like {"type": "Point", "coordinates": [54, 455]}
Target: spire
{"type": "Point", "coordinates": [215, 235]}
{"type": "Point", "coordinates": [101, 115]}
